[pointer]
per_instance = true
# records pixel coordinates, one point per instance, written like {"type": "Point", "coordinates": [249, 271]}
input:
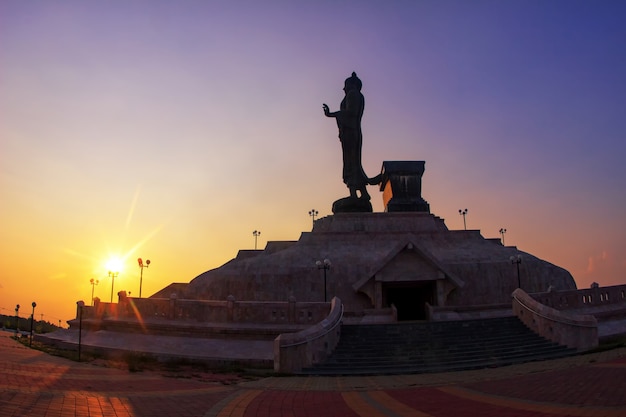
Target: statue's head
{"type": "Point", "coordinates": [353, 83]}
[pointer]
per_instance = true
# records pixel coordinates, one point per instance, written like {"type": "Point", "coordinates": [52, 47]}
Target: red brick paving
{"type": "Point", "coordinates": [438, 403]}
{"type": "Point", "coordinates": [35, 384]}
{"type": "Point", "coordinates": [298, 403]}
{"type": "Point", "coordinates": [600, 386]}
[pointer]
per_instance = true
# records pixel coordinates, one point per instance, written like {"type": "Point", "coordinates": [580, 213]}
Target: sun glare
{"type": "Point", "coordinates": [115, 264]}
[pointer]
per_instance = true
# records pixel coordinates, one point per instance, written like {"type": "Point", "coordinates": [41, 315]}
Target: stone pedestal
{"type": "Point", "coordinates": [352, 205]}
{"type": "Point", "coordinates": [402, 186]}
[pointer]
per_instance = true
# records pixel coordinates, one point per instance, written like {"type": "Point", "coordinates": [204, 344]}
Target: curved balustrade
{"type": "Point", "coordinates": [294, 351]}
{"type": "Point", "coordinates": [572, 330]}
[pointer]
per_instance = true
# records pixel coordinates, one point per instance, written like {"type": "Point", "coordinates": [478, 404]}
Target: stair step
{"type": "Point", "coordinates": [423, 347]}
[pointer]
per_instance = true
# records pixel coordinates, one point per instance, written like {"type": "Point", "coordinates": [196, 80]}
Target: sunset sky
{"type": "Point", "coordinates": [170, 130]}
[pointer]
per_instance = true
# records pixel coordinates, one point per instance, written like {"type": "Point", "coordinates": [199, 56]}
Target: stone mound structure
{"type": "Point", "coordinates": [407, 264]}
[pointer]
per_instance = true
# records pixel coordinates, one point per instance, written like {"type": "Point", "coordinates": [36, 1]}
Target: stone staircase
{"type": "Point", "coordinates": [422, 347]}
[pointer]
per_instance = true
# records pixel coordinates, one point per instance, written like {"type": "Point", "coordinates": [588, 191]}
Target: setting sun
{"type": "Point", "coordinates": [115, 264]}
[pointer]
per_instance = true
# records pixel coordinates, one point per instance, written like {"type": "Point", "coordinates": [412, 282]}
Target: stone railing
{"type": "Point", "coordinates": [211, 311]}
{"type": "Point", "coordinates": [294, 351]}
{"type": "Point", "coordinates": [572, 330]}
{"type": "Point", "coordinates": [98, 310]}
{"type": "Point", "coordinates": [585, 298]}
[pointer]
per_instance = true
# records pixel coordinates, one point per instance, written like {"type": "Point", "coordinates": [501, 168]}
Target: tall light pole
{"type": "Point", "coordinates": [325, 265]}
{"type": "Point", "coordinates": [256, 234]}
{"type": "Point", "coordinates": [80, 305]}
{"type": "Point", "coordinates": [502, 232]}
{"type": "Point", "coordinates": [93, 282]}
{"type": "Point", "coordinates": [17, 319]}
{"type": "Point", "coordinates": [463, 213]}
{"type": "Point", "coordinates": [32, 319]}
{"type": "Point", "coordinates": [313, 213]}
{"type": "Point", "coordinates": [141, 267]}
{"type": "Point", "coordinates": [113, 275]}
{"type": "Point", "coordinates": [517, 260]}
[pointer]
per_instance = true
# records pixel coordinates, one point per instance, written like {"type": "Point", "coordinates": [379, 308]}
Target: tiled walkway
{"type": "Point", "coordinates": [36, 384]}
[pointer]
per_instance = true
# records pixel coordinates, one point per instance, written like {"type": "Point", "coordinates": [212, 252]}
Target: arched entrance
{"type": "Point", "coordinates": [410, 298]}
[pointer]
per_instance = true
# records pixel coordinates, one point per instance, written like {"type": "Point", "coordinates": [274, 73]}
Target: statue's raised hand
{"type": "Point", "coordinates": [326, 109]}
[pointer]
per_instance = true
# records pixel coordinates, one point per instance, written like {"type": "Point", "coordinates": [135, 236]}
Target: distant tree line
{"type": "Point", "coordinates": [23, 323]}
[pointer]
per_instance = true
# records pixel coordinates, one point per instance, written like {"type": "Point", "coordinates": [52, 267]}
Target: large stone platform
{"type": "Point", "coordinates": [408, 260]}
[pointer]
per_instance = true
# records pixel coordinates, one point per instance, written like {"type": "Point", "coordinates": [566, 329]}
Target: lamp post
{"type": "Point", "coordinates": [32, 319]}
{"type": "Point", "coordinates": [313, 213]}
{"type": "Point", "coordinates": [463, 213]}
{"type": "Point", "coordinates": [141, 267]}
{"type": "Point", "coordinates": [113, 275]}
{"type": "Point", "coordinates": [80, 305]}
{"type": "Point", "coordinates": [502, 232]}
{"type": "Point", "coordinates": [17, 319]}
{"type": "Point", "coordinates": [93, 282]}
{"type": "Point", "coordinates": [256, 234]}
{"type": "Point", "coordinates": [517, 260]}
{"type": "Point", "coordinates": [325, 265]}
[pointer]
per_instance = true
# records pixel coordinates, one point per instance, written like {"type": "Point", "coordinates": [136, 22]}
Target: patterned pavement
{"type": "Point", "coordinates": [33, 383]}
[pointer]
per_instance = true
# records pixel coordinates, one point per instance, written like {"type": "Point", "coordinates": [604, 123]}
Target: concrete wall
{"type": "Point", "coordinates": [294, 351]}
{"type": "Point", "coordinates": [565, 328]}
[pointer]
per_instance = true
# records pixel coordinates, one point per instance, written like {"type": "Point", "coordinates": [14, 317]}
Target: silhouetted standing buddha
{"type": "Point", "coordinates": [349, 123]}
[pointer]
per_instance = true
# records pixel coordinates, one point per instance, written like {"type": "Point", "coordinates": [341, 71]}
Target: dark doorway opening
{"type": "Point", "coordinates": [410, 299]}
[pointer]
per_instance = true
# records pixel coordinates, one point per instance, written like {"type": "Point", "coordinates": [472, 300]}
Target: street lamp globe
{"type": "Point", "coordinates": [325, 265]}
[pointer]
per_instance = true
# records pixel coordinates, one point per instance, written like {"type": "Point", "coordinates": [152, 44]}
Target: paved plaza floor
{"type": "Point", "coordinates": [33, 383]}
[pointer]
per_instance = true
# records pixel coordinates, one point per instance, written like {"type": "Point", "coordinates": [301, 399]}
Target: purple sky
{"type": "Point", "coordinates": [171, 130]}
